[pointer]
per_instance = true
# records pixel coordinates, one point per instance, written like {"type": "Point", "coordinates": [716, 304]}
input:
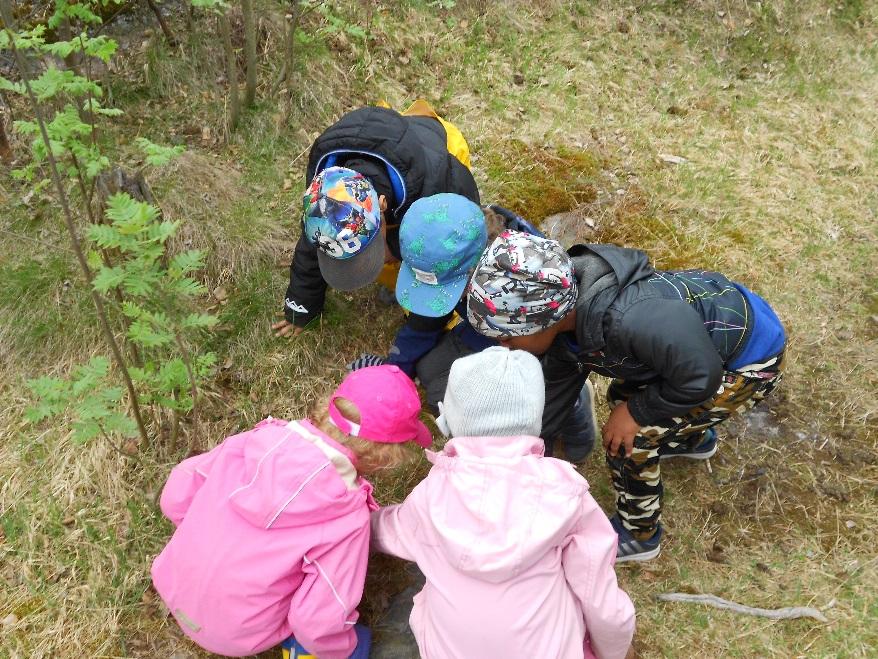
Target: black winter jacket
{"type": "Point", "coordinates": [671, 331]}
{"type": "Point", "coordinates": [375, 142]}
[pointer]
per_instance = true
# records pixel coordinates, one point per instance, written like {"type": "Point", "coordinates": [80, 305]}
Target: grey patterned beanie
{"type": "Point", "coordinates": [522, 285]}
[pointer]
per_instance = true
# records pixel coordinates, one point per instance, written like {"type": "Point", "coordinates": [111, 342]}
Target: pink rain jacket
{"type": "Point", "coordinates": [272, 540]}
{"type": "Point", "coordinates": [517, 554]}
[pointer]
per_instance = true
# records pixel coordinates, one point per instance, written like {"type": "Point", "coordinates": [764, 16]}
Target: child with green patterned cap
{"type": "Point", "coordinates": [440, 239]}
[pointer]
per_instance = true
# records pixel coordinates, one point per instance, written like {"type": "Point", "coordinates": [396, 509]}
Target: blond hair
{"type": "Point", "coordinates": [370, 457]}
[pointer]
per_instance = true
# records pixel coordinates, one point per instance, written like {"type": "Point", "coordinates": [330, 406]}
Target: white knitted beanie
{"type": "Point", "coordinates": [494, 393]}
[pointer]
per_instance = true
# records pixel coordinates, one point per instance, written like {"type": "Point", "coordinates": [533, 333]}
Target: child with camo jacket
{"type": "Point", "coordinates": [685, 349]}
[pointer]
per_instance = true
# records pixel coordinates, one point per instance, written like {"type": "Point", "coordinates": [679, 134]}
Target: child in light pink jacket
{"type": "Point", "coordinates": [517, 555]}
{"type": "Point", "coordinates": [272, 533]}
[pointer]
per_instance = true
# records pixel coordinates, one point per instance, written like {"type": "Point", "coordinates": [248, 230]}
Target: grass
{"type": "Point", "coordinates": [567, 106]}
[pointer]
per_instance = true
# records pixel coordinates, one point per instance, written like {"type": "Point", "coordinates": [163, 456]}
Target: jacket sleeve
{"type": "Point", "coordinates": [418, 336]}
{"type": "Point", "coordinates": [323, 609]}
{"type": "Point", "coordinates": [307, 290]}
{"type": "Point", "coordinates": [588, 560]}
{"type": "Point", "coordinates": [564, 380]}
{"type": "Point", "coordinates": [672, 340]}
{"type": "Point", "coordinates": [183, 484]}
{"type": "Point", "coordinates": [394, 529]}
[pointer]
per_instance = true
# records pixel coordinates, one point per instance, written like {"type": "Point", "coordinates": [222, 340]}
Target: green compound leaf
{"type": "Point", "coordinates": [156, 154]}
{"type": "Point", "coordinates": [108, 278]}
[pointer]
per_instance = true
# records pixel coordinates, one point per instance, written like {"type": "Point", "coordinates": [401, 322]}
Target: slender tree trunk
{"type": "Point", "coordinates": [6, 12]}
{"type": "Point", "coordinates": [5, 147]}
{"type": "Point", "coordinates": [289, 59]}
{"type": "Point", "coordinates": [225, 28]}
{"type": "Point", "coordinates": [249, 51]}
{"type": "Point", "coordinates": [161, 19]}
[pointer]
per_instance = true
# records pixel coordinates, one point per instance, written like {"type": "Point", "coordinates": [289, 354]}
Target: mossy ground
{"type": "Point", "coordinates": [564, 104]}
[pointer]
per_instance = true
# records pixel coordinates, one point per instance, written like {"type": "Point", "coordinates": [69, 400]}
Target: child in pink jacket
{"type": "Point", "coordinates": [272, 535]}
{"type": "Point", "coordinates": [517, 555]}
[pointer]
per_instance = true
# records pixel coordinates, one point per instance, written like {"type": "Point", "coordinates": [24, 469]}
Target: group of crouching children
{"type": "Point", "coordinates": [274, 525]}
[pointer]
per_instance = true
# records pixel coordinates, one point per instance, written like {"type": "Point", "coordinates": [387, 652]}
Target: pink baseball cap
{"type": "Point", "coordinates": [388, 403]}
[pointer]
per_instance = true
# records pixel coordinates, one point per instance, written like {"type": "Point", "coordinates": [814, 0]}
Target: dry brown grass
{"type": "Point", "coordinates": [772, 104]}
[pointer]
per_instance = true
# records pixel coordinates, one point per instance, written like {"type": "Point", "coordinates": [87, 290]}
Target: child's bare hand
{"type": "Point", "coordinates": [285, 328]}
{"type": "Point", "coordinates": [619, 431]}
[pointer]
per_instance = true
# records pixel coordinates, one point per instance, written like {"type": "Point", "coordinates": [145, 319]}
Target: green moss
{"type": "Point", "coordinates": [539, 182]}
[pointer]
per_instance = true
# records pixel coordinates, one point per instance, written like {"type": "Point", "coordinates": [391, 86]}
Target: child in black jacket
{"type": "Point", "coordinates": [402, 158]}
{"type": "Point", "coordinates": [685, 350]}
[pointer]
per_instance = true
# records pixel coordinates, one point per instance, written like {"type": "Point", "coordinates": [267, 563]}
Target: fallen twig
{"type": "Point", "coordinates": [720, 603]}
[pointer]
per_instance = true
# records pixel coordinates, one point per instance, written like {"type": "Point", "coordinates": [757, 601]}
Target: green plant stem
{"type": "Point", "coordinates": [105, 256]}
{"type": "Point", "coordinates": [6, 13]}
{"type": "Point", "coordinates": [249, 52]}
{"type": "Point", "coordinates": [116, 448]}
{"type": "Point", "coordinates": [187, 361]}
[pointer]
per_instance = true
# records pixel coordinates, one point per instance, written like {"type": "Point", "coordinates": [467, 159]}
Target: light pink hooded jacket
{"type": "Point", "coordinates": [517, 554]}
{"type": "Point", "coordinates": [272, 540]}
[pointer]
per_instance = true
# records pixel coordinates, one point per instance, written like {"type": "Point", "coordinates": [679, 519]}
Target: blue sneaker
{"type": "Point", "coordinates": [702, 451]}
{"type": "Point", "coordinates": [635, 550]}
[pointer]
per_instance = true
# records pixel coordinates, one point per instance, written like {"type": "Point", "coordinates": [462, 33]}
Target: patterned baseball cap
{"type": "Point", "coordinates": [522, 285]}
{"type": "Point", "coordinates": [342, 218]}
{"type": "Point", "coordinates": [440, 239]}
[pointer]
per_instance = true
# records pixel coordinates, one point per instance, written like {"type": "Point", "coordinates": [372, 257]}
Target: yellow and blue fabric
{"type": "Point", "coordinates": [292, 649]}
{"type": "Point", "coordinates": [440, 239]}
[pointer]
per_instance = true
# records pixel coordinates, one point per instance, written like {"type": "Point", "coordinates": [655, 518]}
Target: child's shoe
{"type": "Point", "coordinates": [701, 451]}
{"type": "Point", "coordinates": [635, 550]}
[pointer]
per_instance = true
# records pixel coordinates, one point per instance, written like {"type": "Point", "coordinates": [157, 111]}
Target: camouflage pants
{"type": "Point", "coordinates": [637, 480]}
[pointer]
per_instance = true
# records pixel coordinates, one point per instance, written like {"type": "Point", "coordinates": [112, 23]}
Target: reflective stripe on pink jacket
{"type": "Point", "coordinates": [272, 540]}
{"type": "Point", "coordinates": [517, 554]}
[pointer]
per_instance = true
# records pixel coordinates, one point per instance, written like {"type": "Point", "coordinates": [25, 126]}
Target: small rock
{"type": "Point", "coordinates": [9, 620]}
{"type": "Point", "coordinates": [288, 183]}
{"type": "Point", "coordinates": [221, 294]}
{"type": "Point", "coordinates": [850, 523]}
{"type": "Point", "coordinates": [672, 159]}
{"type": "Point", "coordinates": [205, 133]}
{"type": "Point", "coordinates": [70, 520]}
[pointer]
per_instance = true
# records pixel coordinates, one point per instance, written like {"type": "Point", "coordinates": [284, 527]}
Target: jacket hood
{"type": "Point", "coordinates": [602, 271]}
{"type": "Point", "coordinates": [489, 522]}
{"type": "Point", "coordinates": [295, 475]}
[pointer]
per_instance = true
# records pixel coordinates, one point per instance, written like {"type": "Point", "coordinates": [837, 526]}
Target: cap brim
{"type": "Point", "coordinates": [355, 272]}
{"type": "Point", "coordinates": [432, 300]}
{"type": "Point", "coordinates": [424, 438]}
